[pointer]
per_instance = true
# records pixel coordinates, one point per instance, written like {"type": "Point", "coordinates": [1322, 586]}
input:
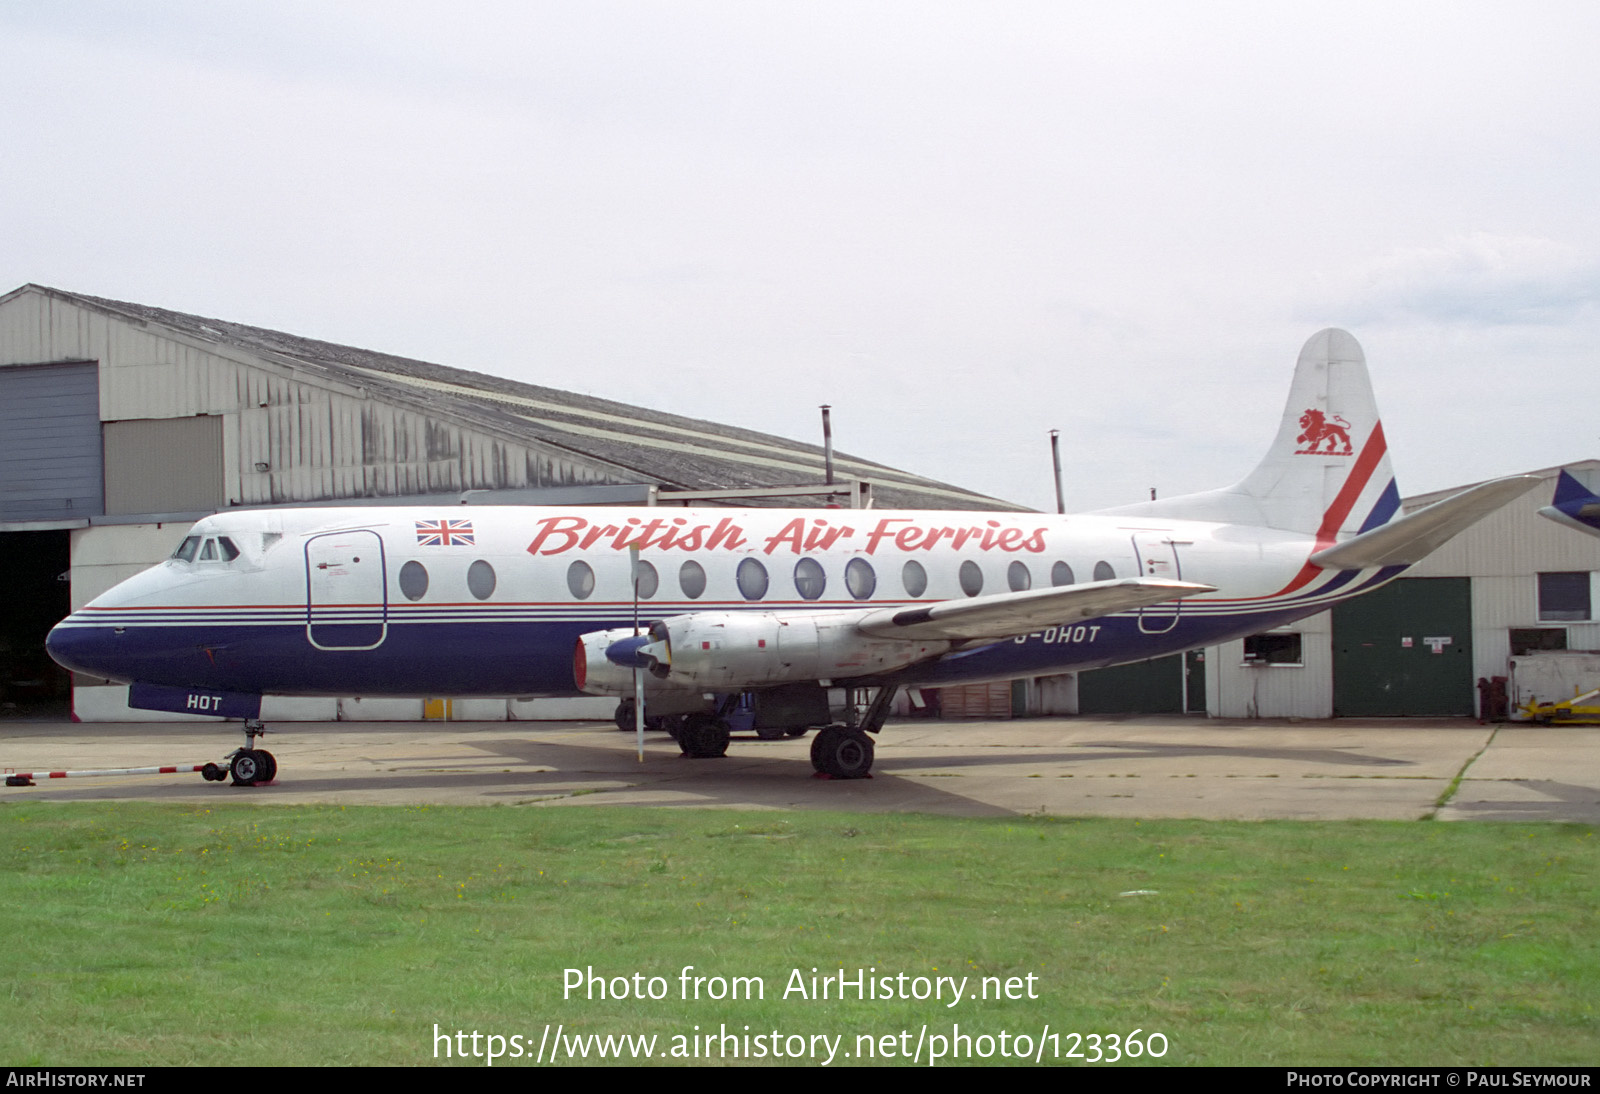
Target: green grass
{"type": "Point", "coordinates": [246, 934]}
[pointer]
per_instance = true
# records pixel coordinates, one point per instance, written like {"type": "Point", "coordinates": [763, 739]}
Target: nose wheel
{"type": "Point", "coordinates": [249, 766]}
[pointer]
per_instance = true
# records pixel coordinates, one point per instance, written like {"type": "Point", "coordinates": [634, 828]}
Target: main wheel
{"type": "Point", "coordinates": [771, 733]}
{"type": "Point", "coordinates": [269, 767]}
{"type": "Point", "coordinates": [246, 767]}
{"type": "Point", "coordinates": [624, 716]}
{"type": "Point", "coordinates": [703, 736]}
{"type": "Point", "coordinates": [842, 753]}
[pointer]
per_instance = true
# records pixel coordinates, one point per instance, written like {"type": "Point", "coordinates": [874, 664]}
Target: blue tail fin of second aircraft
{"type": "Point", "coordinates": [1574, 505]}
{"type": "Point", "coordinates": [1327, 472]}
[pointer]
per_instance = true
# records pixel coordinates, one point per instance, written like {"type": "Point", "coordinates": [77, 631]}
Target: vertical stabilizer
{"type": "Point", "coordinates": [1327, 471]}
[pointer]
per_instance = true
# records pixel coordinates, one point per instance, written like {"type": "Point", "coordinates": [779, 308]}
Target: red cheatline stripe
{"type": "Point", "coordinates": [1371, 454]}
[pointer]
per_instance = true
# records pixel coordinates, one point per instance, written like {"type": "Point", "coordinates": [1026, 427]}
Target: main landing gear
{"type": "Point", "coordinates": [846, 751]}
{"type": "Point", "coordinates": [249, 766]}
{"type": "Point", "coordinates": [837, 751]}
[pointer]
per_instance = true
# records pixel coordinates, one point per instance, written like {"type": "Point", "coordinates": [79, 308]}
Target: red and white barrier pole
{"type": "Point", "coordinates": [25, 778]}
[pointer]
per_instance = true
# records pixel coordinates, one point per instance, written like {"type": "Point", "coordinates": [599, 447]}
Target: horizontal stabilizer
{"type": "Point", "coordinates": [1412, 537]}
{"type": "Point", "coordinates": [1004, 615]}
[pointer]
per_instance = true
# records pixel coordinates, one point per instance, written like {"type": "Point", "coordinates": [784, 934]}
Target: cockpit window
{"type": "Point", "coordinates": [226, 548]}
{"type": "Point", "coordinates": [186, 549]}
{"type": "Point", "coordinates": [208, 553]}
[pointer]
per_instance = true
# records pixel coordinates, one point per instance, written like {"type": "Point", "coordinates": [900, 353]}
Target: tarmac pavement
{"type": "Point", "coordinates": [1076, 766]}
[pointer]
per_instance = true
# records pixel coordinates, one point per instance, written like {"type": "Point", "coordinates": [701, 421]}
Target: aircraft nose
{"type": "Point", "coordinates": [81, 646]}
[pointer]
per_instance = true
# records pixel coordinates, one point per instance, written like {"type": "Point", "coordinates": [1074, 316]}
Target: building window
{"type": "Point", "coordinates": [752, 579]}
{"type": "Point", "coordinates": [692, 579]}
{"type": "Point", "coordinates": [860, 578]}
{"type": "Point", "coordinates": [809, 580]}
{"type": "Point", "coordinates": [914, 578]}
{"type": "Point", "coordinates": [1272, 649]}
{"type": "Point", "coordinates": [1564, 596]}
{"type": "Point", "coordinates": [481, 581]}
{"type": "Point", "coordinates": [1526, 640]}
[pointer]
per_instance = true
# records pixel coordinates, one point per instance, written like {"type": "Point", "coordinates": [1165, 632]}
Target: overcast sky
{"type": "Point", "coordinates": [961, 224]}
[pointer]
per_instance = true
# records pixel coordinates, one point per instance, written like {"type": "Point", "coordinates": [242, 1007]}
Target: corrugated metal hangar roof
{"type": "Point", "coordinates": [655, 447]}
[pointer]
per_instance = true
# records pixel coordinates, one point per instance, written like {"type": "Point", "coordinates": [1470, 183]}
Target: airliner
{"type": "Point", "coordinates": [698, 610]}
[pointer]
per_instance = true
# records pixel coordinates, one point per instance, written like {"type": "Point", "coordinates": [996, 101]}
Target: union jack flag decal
{"type": "Point", "coordinates": [444, 533]}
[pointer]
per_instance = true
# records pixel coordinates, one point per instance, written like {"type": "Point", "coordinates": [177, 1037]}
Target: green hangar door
{"type": "Point", "coordinates": [1405, 650]}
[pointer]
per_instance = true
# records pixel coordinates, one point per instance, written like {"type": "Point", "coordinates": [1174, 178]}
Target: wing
{"type": "Point", "coordinates": [1004, 615]}
{"type": "Point", "coordinates": [737, 650]}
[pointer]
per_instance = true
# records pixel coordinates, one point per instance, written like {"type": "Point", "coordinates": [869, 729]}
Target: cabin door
{"type": "Point", "coordinates": [346, 598]}
{"type": "Point", "coordinates": [1158, 555]}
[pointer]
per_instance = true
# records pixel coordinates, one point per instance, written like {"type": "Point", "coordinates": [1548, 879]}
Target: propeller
{"type": "Point", "coordinates": [638, 680]}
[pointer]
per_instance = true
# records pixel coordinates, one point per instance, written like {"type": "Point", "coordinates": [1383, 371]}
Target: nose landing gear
{"type": "Point", "coordinates": [249, 766]}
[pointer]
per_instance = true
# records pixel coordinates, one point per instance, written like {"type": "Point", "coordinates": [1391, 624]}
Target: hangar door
{"type": "Point", "coordinates": [50, 442]}
{"type": "Point", "coordinates": [1165, 685]}
{"type": "Point", "coordinates": [1405, 651]}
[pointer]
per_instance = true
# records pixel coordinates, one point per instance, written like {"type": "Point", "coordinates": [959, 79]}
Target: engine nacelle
{"type": "Point", "coordinates": [733, 651]}
{"type": "Point", "coordinates": [599, 674]}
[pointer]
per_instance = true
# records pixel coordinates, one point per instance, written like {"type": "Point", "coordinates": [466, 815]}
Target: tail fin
{"type": "Point", "coordinates": [1327, 471]}
{"type": "Point", "coordinates": [1574, 505]}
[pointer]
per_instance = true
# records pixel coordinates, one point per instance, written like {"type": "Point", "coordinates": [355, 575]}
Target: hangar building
{"type": "Point", "coordinates": [121, 424]}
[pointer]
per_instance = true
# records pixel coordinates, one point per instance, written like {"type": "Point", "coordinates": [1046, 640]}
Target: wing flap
{"type": "Point", "coordinates": [1004, 615]}
{"type": "Point", "coordinates": [1412, 537]}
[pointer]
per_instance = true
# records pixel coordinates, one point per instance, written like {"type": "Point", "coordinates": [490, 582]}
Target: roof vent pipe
{"type": "Point", "coordinates": [827, 443]}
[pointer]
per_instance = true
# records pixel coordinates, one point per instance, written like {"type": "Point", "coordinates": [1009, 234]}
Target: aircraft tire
{"type": "Point", "coordinates": [212, 773]}
{"type": "Point", "coordinates": [842, 753]}
{"type": "Point", "coordinates": [624, 716]}
{"type": "Point", "coordinates": [269, 766]}
{"type": "Point", "coordinates": [246, 767]}
{"type": "Point", "coordinates": [797, 731]}
{"type": "Point", "coordinates": [703, 737]}
{"type": "Point", "coordinates": [771, 733]}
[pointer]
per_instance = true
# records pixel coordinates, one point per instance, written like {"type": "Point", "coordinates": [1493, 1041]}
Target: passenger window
{"type": "Point", "coordinates": [580, 580]}
{"type": "Point", "coordinates": [914, 578]}
{"type": "Point", "coordinates": [186, 549]}
{"type": "Point", "coordinates": [809, 580]}
{"type": "Point", "coordinates": [860, 578]}
{"type": "Point", "coordinates": [646, 580]}
{"type": "Point", "coordinates": [971, 578]}
{"type": "Point", "coordinates": [1018, 577]}
{"type": "Point", "coordinates": [752, 578]}
{"type": "Point", "coordinates": [414, 580]}
{"type": "Point", "coordinates": [1103, 571]}
{"type": "Point", "coordinates": [1061, 574]}
{"type": "Point", "coordinates": [480, 580]}
{"type": "Point", "coordinates": [692, 579]}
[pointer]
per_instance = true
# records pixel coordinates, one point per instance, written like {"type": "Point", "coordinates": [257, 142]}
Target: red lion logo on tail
{"type": "Point", "coordinates": [1319, 428]}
